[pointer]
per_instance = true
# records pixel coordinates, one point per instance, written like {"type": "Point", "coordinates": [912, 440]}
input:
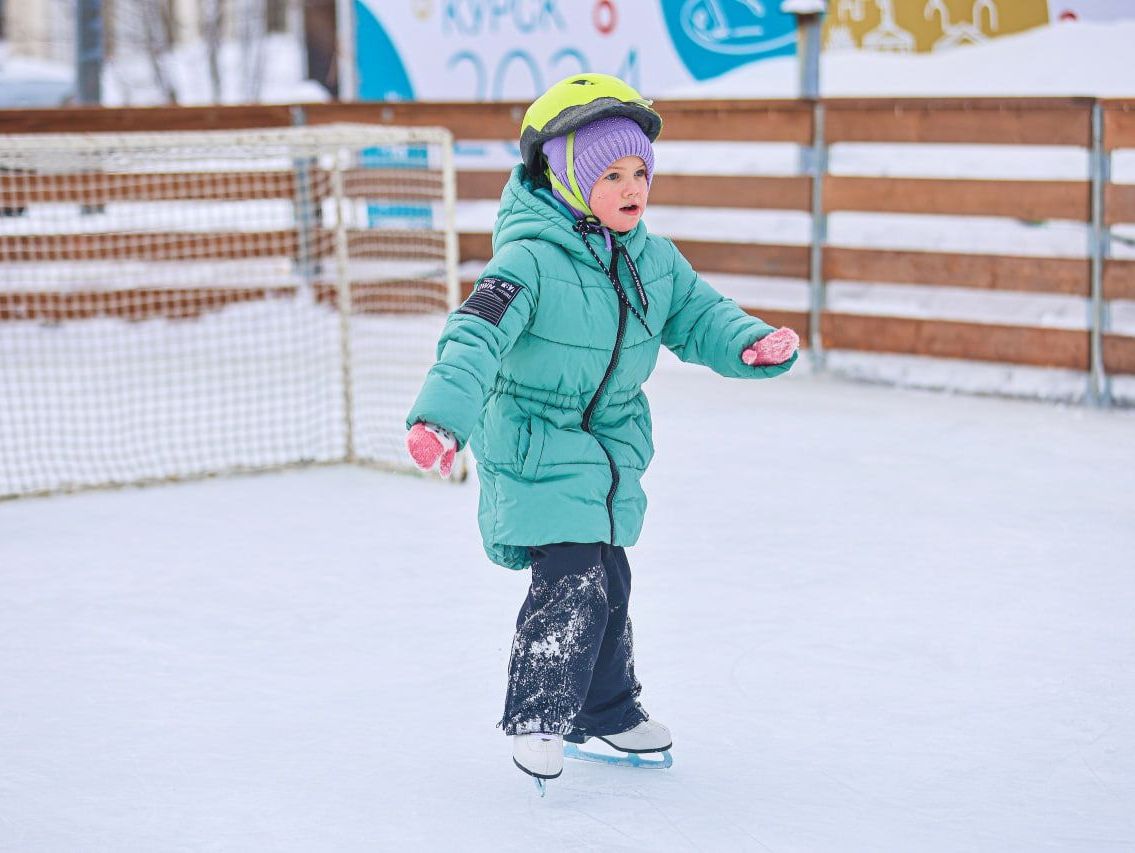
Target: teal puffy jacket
{"type": "Point", "coordinates": [541, 371]}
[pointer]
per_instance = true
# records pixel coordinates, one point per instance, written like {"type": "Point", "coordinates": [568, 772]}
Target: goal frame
{"type": "Point", "coordinates": [303, 142]}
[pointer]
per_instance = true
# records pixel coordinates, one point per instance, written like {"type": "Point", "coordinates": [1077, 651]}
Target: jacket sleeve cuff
{"type": "Point", "coordinates": [450, 398]}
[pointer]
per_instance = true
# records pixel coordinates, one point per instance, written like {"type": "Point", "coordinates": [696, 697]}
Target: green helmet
{"type": "Point", "coordinates": [576, 101]}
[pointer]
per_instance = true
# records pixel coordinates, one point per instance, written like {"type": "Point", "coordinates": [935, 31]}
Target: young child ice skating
{"type": "Point", "coordinates": [541, 371]}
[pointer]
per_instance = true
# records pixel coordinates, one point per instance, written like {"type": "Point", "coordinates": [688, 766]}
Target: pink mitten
{"type": "Point", "coordinates": [774, 348]}
{"type": "Point", "coordinates": [431, 446]}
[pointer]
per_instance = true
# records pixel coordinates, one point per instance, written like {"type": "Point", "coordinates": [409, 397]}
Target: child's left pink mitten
{"type": "Point", "coordinates": [430, 445]}
{"type": "Point", "coordinates": [774, 348]}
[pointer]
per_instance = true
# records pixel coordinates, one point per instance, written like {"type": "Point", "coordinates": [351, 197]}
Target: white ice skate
{"type": "Point", "coordinates": [649, 736]}
{"type": "Point", "coordinates": [540, 755]}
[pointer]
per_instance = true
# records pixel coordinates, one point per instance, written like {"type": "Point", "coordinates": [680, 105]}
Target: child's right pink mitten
{"type": "Point", "coordinates": [774, 348]}
{"type": "Point", "coordinates": [430, 445]}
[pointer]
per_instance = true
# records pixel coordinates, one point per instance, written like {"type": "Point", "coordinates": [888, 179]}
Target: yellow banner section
{"type": "Point", "coordinates": [922, 26]}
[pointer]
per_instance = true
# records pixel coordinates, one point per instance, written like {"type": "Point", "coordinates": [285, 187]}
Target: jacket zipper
{"type": "Point", "coordinates": [591, 408]}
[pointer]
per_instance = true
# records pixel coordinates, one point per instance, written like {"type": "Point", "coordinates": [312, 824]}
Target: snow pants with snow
{"type": "Point", "coordinates": [572, 664]}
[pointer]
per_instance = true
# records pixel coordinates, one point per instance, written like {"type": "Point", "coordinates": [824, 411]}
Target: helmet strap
{"type": "Point", "coordinates": [574, 196]}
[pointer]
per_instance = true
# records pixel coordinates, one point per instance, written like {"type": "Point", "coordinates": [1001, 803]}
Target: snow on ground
{"type": "Point", "coordinates": [875, 619]}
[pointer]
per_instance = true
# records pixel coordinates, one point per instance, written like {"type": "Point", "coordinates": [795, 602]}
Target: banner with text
{"type": "Point", "coordinates": [489, 50]}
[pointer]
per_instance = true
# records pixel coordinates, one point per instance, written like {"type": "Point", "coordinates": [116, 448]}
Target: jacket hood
{"type": "Point", "coordinates": [529, 211]}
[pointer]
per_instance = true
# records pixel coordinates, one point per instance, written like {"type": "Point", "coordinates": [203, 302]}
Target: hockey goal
{"type": "Point", "coordinates": [178, 305]}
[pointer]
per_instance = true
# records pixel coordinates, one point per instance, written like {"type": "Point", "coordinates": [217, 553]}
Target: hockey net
{"type": "Point", "coordinates": [178, 305]}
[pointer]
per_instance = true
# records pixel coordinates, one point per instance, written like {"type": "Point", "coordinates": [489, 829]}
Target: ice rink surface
{"type": "Point", "coordinates": [875, 620]}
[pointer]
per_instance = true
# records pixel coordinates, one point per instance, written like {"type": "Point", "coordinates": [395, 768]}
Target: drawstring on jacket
{"type": "Point", "coordinates": [586, 226]}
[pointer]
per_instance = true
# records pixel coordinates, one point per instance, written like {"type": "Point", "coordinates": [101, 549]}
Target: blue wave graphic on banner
{"type": "Point", "coordinates": [716, 36]}
{"type": "Point", "coordinates": [382, 76]}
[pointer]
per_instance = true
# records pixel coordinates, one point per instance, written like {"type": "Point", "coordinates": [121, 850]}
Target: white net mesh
{"type": "Point", "coordinates": [183, 304]}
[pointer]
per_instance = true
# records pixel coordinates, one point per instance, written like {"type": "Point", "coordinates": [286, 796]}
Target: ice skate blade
{"type": "Point", "coordinates": [628, 759]}
{"type": "Point", "coordinates": [541, 781]}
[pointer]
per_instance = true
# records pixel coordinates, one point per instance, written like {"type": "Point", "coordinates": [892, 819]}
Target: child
{"type": "Point", "coordinates": [541, 371]}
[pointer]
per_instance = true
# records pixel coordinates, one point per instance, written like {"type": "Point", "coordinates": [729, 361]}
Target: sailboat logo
{"type": "Point", "coordinates": [714, 36]}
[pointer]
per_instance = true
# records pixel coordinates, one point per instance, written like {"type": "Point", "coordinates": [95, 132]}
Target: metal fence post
{"type": "Point", "coordinates": [307, 212]}
{"type": "Point", "coordinates": [1099, 387]}
{"type": "Point", "coordinates": [819, 238]}
{"type": "Point", "coordinates": [88, 51]}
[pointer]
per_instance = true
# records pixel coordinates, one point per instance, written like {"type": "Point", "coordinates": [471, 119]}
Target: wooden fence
{"type": "Point", "coordinates": [1097, 126]}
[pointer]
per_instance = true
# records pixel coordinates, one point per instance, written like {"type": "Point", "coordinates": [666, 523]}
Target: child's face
{"type": "Point", "coordinates": [618, 198]}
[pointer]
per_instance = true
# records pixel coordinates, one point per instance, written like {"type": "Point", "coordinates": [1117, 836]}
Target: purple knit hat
{"type": "Point", "coordinates": [597, 146]}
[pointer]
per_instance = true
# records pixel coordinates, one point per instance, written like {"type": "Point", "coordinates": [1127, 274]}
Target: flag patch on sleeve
{"type": "Point", "coordinates": [490, 299]}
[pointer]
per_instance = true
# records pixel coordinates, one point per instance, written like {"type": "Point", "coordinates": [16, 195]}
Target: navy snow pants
{"type": "Point", "coordinates": [572, 664]}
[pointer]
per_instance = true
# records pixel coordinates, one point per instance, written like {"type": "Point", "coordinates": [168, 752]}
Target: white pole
{"type": "Point", "coordinates": [452, 280]}
{"type": "Point", "coordinates": [449, 197]}
{"type": "Point", "coordinates": [343, 288]}
{"type": "Point", "coordinates": [346, 31]}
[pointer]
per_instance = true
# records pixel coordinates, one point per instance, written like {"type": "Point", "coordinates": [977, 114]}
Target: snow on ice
{"type": "Point", "coordinates": [925, 644]}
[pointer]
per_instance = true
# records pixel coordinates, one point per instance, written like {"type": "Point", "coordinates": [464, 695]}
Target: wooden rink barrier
{"type": "Point", "coordinates": [1099, 127]}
